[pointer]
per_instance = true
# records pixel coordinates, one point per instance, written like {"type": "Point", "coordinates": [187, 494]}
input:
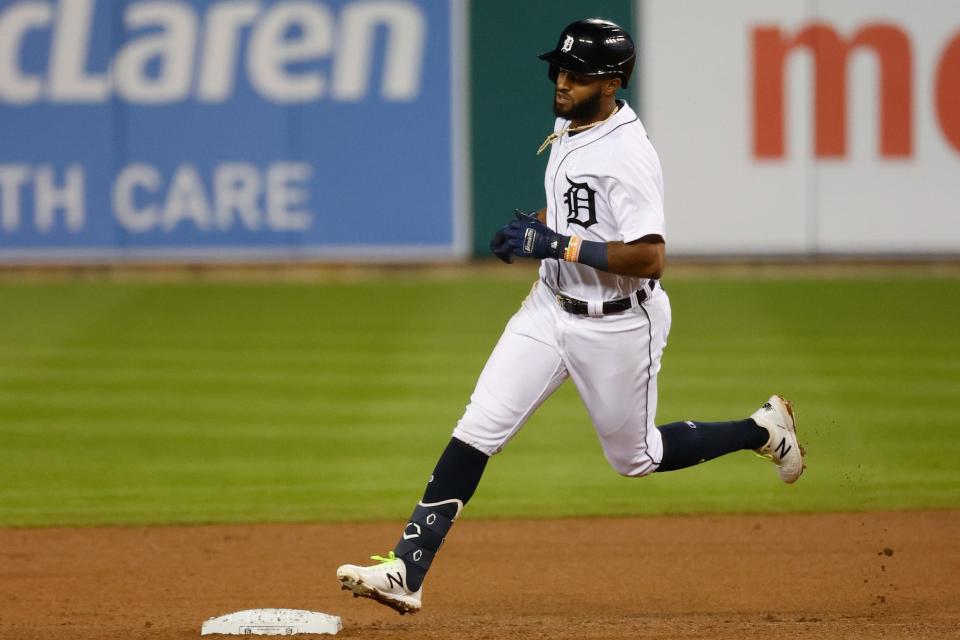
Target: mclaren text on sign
{"type": "Point", "coordinates": [198, 52]}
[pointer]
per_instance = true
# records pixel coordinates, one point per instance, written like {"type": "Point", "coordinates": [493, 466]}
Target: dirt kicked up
{"type": "Point", "coordinates": [823, 577]}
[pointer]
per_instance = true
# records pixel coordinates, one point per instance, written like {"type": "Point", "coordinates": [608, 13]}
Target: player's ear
{"type": "Point", "coordinates": [613, 84]}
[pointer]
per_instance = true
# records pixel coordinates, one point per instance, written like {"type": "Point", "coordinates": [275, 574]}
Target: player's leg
{"type": "Point", "coordinates": [523, 370]}
{"type": "Point", "coordinates": [397, 579]}
{"type": "Point", "coordinates": [690, 443]}
{"type": "Point", "coordinates": [770, 431]}
{"type": "Point", "coordinates": [614, 362]}
{"type": "Point", "coordinates": [622, 402]}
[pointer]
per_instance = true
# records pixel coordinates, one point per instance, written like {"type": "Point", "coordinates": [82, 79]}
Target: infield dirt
{"type": "Point", "coordinates": [826, 576]}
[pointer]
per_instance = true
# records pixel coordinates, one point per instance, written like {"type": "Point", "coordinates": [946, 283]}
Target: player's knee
{"type": "Point", "coordinates": [635, 460]}
{"type": "Point", "coordinates": [633, 468]}
{"type": "Point", "coordinates": [487, 426]}
{"type": "Point", "coordinates": [478, 439]}
{"type": "Point", "coordinates": [481, 433]}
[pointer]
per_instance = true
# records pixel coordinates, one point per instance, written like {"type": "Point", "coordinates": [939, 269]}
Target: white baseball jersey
{"type": "Point", "coordinates": [603, 184]}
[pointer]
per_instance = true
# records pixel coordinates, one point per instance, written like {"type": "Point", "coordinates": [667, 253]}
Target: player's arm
{"type": "Point", "coordinates": [643, 258]}
{"type": "Point", "coordinates": [528, 237]}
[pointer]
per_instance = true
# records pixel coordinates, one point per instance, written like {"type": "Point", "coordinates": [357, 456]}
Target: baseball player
{"type": "Point", "coordinates": [597, 315]}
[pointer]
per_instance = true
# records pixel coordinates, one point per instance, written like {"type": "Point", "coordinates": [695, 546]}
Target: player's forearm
{"type": "Point", "coordinates": [529, 237]}
{"type": "Point", "coordinates": [640, 259]}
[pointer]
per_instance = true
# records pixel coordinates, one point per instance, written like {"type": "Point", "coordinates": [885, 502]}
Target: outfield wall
{"type": "Point", "coordinates": [406, 129]}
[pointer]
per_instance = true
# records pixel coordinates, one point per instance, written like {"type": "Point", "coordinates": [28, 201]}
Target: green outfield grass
{"type": "Point", "coordinates": [157, 403]}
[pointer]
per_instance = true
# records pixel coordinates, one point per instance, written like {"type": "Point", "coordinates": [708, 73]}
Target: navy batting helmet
{"type": "Point", "coordinates": [592, 47]}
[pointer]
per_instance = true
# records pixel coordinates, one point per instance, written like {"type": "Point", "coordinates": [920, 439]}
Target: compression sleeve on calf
{"type": "Point", "coordinates": [451, 486]}
{"type": "Point", "coordinates": [593, 254]}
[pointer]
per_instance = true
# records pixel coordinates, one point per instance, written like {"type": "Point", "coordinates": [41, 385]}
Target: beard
{"type": "Point", "coordinates": [586, 110]}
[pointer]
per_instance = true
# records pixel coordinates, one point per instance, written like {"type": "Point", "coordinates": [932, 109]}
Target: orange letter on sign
{"type": "Point", "coordinates": [948, 92]}
{"type": "Point", "coordinates": [830, 52]}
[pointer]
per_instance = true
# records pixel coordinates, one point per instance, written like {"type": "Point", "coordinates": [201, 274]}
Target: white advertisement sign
{"type": "Point", "coordinates": [800, 127]}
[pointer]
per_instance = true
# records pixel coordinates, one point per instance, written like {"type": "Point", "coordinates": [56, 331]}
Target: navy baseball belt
{"type": "Point", "coordinates": [582, 308]}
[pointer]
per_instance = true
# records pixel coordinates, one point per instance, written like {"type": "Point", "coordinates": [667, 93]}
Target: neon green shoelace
{"type": "Point", "coordinates": [390, 558]}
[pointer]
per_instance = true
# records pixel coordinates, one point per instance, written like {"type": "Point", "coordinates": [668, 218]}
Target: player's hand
{"type": "Point", "coordinates": [500, 245]}
{"type": "Point", "coordinates": [530, 238]}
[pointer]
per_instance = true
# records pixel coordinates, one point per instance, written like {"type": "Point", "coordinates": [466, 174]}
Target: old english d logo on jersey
{"type": "Point", "coordinates": [581, 203]}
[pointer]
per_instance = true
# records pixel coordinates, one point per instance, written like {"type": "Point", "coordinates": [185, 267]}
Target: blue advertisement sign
{"type": "Point", "coordinates": [230, 129]}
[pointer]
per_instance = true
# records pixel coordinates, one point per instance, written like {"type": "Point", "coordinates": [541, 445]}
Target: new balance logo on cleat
{"type": "Point", "coordinates": [394, 577]}
{"type": "Point", "coordinates": [783, 448]}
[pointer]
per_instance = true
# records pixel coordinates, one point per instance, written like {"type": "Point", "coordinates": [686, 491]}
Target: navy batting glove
{"type": "Point", "coordinates": [500, 245]}
{"type": "Point", "coordinates": [530, 238]}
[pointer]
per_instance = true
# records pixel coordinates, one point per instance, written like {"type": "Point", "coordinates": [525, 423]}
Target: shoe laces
{"type": "Point", "coordinates": [390, 558]}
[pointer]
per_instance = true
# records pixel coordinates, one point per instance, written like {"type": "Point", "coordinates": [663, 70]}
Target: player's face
{"type": "Point", "coordinates": [577, 96]}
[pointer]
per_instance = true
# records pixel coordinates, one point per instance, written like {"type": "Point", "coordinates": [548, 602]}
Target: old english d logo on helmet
{"type": "Point", "coordinates": [592, 47]}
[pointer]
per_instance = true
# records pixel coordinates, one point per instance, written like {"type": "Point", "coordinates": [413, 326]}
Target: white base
{"type": "Point", "coordinates": [272, 622]}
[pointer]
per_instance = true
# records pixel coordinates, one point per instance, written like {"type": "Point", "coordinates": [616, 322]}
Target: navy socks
{"type": "Point", "coordinates": [452, 484]}
{"type": "Point", "coordinates": [686, 444]}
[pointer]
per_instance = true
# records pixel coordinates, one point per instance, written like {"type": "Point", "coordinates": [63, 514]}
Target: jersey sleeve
{"type": "Point", "coordinates": [636, 200]}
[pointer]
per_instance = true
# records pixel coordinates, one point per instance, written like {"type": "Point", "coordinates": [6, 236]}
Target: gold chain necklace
{"type": "Point", "coordinates": [556, 135]}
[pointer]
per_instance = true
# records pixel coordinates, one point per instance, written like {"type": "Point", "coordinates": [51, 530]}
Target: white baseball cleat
{"type": "Point", "coordinates": [783, 448]}
{"type": "Point", "coordinates": [385, 582]}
